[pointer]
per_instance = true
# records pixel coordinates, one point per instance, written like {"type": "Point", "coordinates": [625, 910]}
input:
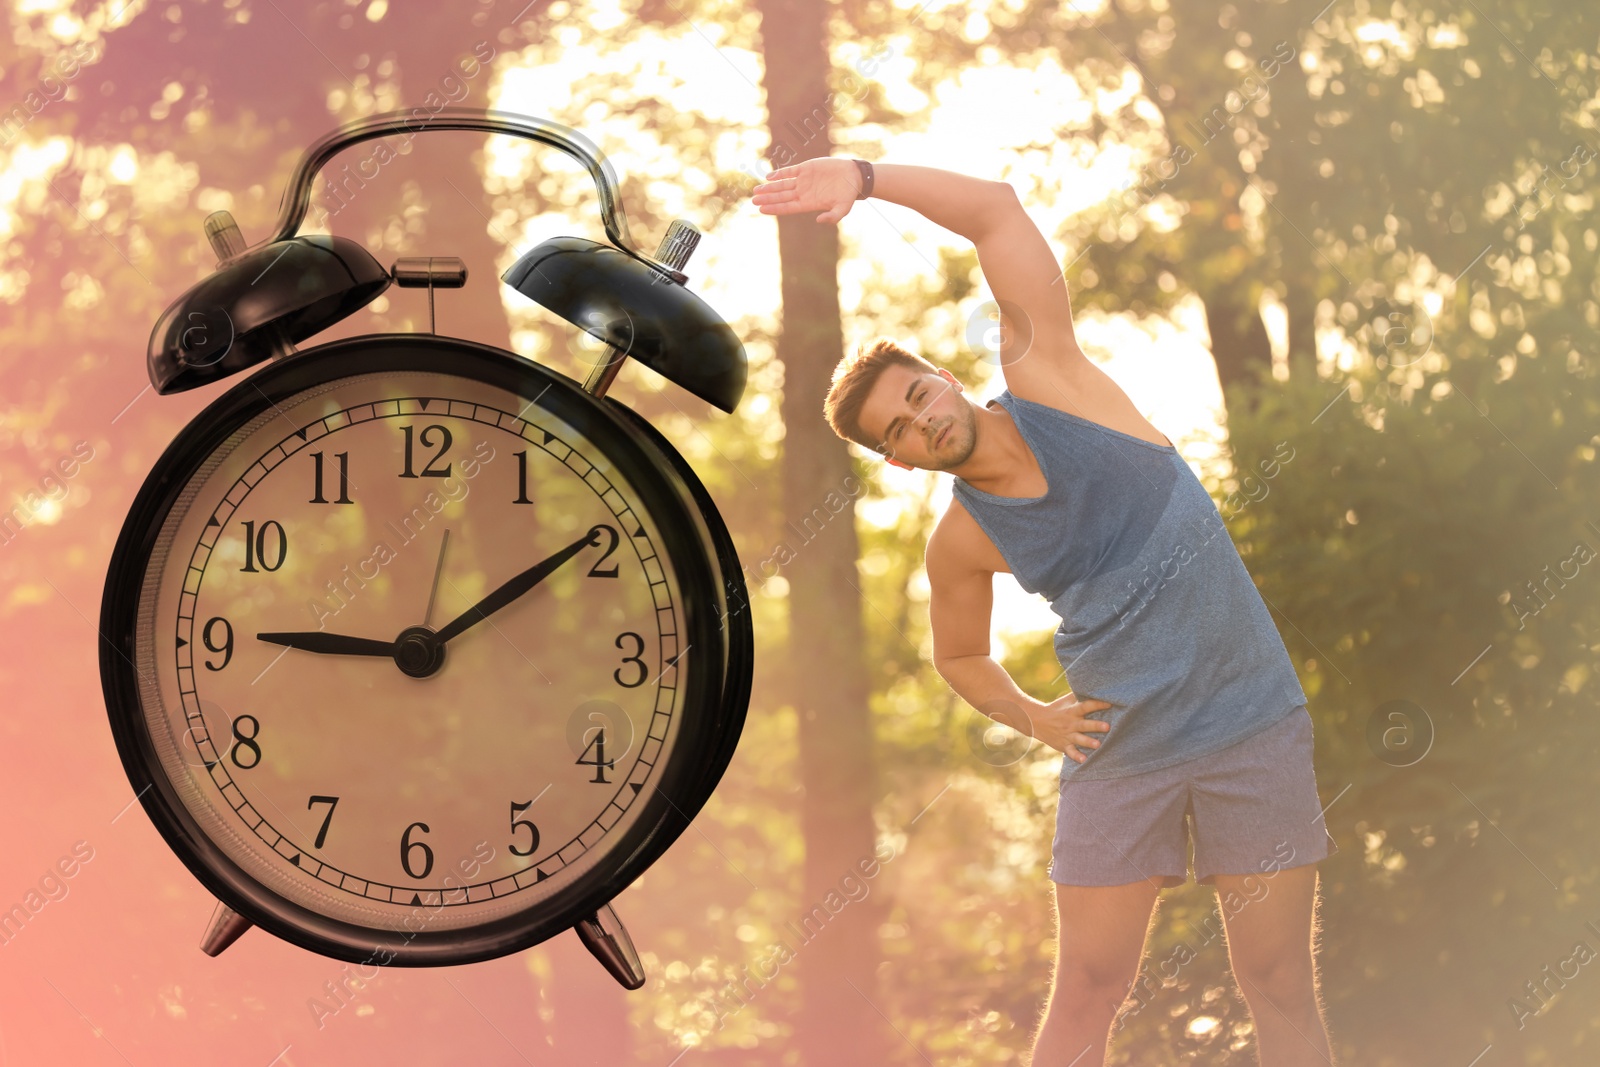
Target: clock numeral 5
{"type": "Point", "coordinates": [406, 845]}
{"type": "Point", "coordinates": [255, 546]}
{"type": "Point", "coordinates": [533, 831]}
{"type": "Point", "coordinates": [344, 478]}
{"type": "Point", "coordinates": [599, 763]}
{"type": "Point", "coordinates": [427, 438]}
{"type": "Point", "coordinates": [332, 802]}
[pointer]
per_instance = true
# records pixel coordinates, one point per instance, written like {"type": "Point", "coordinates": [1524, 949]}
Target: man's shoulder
{"type": "Point", "coordinates": [959, 544]}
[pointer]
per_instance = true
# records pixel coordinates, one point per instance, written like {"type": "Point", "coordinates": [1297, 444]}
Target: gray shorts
{"type": "Point", "coordinates": [1251, 808]}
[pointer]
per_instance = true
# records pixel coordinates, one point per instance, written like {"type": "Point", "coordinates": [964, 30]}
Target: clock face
{"type": "Point", "coordinates": [349, 700]}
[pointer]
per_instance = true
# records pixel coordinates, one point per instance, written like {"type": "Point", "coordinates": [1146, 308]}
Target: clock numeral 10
{"type": "Point", "coordinates": [406, 847]}
{"type": "Point", "coordinates": [599, 763]}
{"type": "Point", "coordinates": [344, 478]}
{"type": "Point", "coordinates": [255, 546]}
{"type": "Point", "coordinates": [427, 437]}
{"type": "Point", "coordinates": [516, 823]}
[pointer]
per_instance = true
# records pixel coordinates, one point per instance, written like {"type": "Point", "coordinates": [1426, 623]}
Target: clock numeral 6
{"type": "Point", "coordinates": [332, 802]}
{"type": "Point", "coordinates": [344, 478]}
{"type": "Point", "coordinates": [255, 546]}
{"type": "Point", "coordinates": [226, 648]}
{"type": "Point", "coordinates": [533, 831]}
{"type": "Point", "coordinates": [633, 659]}
{"type": "Point", "coordinates": [246, 741]}
{"type": "Point", "coordinates": [406, 845]}
{"type": "Point", "coordinates": [427, 437]}
{"type": "Point", "coordinates": [599, 763]}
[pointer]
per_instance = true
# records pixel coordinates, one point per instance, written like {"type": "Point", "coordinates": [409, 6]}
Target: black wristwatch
{"type": "Point", "coordinates": [866, 178]}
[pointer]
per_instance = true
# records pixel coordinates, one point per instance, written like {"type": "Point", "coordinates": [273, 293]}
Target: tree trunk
{"type": "Point", "coordinates": [1239, 343]}
{"type": "Point", "coordinates": [829, 686]}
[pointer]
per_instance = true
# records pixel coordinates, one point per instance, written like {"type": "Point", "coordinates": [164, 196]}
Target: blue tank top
{"type": "Point", "coordinates": [1159, 617]}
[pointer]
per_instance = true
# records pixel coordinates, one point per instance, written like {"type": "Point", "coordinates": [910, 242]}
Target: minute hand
{"type": "Point", "coordinates": [514, 588]}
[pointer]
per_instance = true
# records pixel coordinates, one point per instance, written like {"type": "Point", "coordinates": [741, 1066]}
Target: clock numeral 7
{"type": "Point", "coordinates": [533, 831]}
{"type": "Point", "coordinates": [599, 763]}
{"type": "Point", "coordinates": [332, 802]}
{"type": "Point", "coordinates": [427, 437]}
{"type": "Point", "coordinates": [344, 478]}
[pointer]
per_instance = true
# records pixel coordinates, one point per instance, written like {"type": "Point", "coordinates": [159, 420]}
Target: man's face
{"type": "Point", "coordinates": [919, 420]}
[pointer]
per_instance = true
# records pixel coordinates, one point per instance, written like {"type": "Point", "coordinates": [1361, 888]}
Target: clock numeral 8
{"type": "Point", "coordinates": [406, 845]}
{"type": "Point", "coordinates": [246, 741]}
{"type": "Point", "coordinates": [427, 437]}
{"type": "Point", "coordinates": [255, 546]}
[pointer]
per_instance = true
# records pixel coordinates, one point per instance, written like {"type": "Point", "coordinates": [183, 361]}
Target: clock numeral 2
{"type": "Point", "coordinates": [344, 478]}
{"type": "Point", "coordinates": [246, 741]}
{"type": "Point", "coordinates": [406, 845]}
{"type": "Point", "coordinates": [610, 572]}
{"type": "Point", "coordinates": [427, 438]}
{"type": "Point", "coordinates": [332, 802]}
{"type": "Point", "coordinates": [255, 546]}
{"type": "Point", "coordinates": [533, 844]}
{"type": "Point", "coordinates": [599, 763]}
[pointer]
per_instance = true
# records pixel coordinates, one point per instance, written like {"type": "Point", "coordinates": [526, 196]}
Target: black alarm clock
{"type": "Point", "coordinates": [415, 651]}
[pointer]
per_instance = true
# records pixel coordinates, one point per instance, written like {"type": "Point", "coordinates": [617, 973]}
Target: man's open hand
{"type": "Point", "coordinates": [1062, 724]}
{"type": "Point", "coordinates": [824, 184]}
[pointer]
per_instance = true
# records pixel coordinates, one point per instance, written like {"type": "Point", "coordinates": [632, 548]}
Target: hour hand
{"type": "Point", "coordinates": [330, 644]}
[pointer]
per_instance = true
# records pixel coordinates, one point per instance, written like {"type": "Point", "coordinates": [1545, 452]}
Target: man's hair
{"type": "Point", "coordinates": [853, 379]}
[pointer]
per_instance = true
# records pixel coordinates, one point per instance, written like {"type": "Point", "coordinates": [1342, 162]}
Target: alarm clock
{"type": "Point", "coordinates": [415, 651]}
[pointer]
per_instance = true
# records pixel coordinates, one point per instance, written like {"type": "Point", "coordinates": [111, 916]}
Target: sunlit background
{"type": "Point", "coordinates": [1384, 247]}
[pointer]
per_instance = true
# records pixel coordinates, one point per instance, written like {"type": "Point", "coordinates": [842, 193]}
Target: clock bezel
{"type": "Point", "coordinates": [713, 703]}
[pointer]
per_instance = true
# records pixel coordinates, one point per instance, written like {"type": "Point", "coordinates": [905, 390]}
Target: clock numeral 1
{"type": "Point", "coordinates": [344, 478]}
{"type": "Point", "coordinates": [406, 845]}
{"type": "Point", "coordinates": [533, 844]}
{"type": "Point", "coordinates": [255, 546]}
{"type": "Point", "coordinates": [332, 802]}
{"type": "Point", "coordinates": [599, 763]}
{"type": "Point", "coordinates": [226, 648]}
{"type": "Point", "coordinates": [522, 478]}
{"type": "Point", "coordinates": [246, 741]}
{"type": "Point", "coordinates": [427, 438]}
{"type": "Point", "coordinates": [634, 659]}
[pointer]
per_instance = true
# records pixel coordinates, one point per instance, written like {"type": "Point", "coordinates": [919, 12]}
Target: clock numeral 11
{"type": "Point", "coordinates": [344, 478]}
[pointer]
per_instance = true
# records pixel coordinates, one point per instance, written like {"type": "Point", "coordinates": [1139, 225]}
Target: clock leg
{"type": "Point", "coordinates": [603, 934]}
{"type": "Point", "coordinates": [225, 927]}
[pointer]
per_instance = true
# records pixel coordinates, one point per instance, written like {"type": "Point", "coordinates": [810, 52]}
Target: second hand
{"type": "Point", "coordinates": [438, 570]}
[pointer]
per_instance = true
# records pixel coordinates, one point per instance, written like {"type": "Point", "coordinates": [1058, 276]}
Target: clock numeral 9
{"type": "Point", "coordinates": [332, 802]}
{"type": "Point", "coordinates": [634, 659]}
{"type": "Point", "coordinates": [246, 741]}
{"type": "Point", "coordinates": [427, 437]}
{"type": "Point", "coordinates": [255, 546]}
{"type": "Point", "coordinates": [599, 763]}
{"type": "Point", "coordinates": [344, 478]}
{"type": "Point", "coordinates": [533, 831]}
{"type": "Point", "coordinates": [610, 572]}
{"type": "Point", "coordinates": [226, 648]}
{"type": "Point", "coordinates": [406, 845]}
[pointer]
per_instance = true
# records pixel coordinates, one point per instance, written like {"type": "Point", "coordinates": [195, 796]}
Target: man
{"type": "Point", "coordinates": [1186, 722]}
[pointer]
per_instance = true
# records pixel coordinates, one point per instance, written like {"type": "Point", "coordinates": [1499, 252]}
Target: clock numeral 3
{"type": "Point", "coordinates": [633, 659]}
{"type": "Point", "coordinates": [406, 845]}
{"type": "Point", "coordinates": [255, 546]}
{"type": "Point", "coordinates": [246, 741]}
{"type": "Point", "coordinates": [599, 763]}
{"type": "Point", "coordinates": [226, 648]}
{"type": "Point", "coordinates": [610, 572]}
{"type": "Point", "coordinates": [332, 802]}
{"type": "Point", "coordinates": [533, 844]}
{"type": "Point", "coordinates": [427, 438]}
{"type": "Point", "coordinates": [344, 478]}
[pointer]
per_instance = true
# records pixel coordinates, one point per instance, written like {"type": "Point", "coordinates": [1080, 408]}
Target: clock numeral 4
{"type": "Point", "coordinates": [226, 648]}
{"type": "Point", "coordinates": [245, 741]}
{"type": "Point", "coordinates": [344, 478]}
{"type": "Point", "coordinates": [256, 546]}
{"type": "Point", "coordinates": [599, 763]}
{"type": "Point", "coordinates": [427, 437]}
{"type": "Point", "coordinates": [406, 847]}
{"type": "Point", "coordinates": [516, 823]}
{"type": "Point", "coordinates": [332, 802]}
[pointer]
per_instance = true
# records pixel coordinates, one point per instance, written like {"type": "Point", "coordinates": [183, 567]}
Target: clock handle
{"type": "Point", "coordinates": [603, 934]}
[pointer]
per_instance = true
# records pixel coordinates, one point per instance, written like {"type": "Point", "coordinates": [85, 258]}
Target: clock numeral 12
{"type": "Point", "coordinates": [344, 478]}
{"type": "Point", "coordinates": [599, 763]}
{"type": "Point", "coordinates": [427, 437]}
{"type": "Point", "coordinates": [255, 546]}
